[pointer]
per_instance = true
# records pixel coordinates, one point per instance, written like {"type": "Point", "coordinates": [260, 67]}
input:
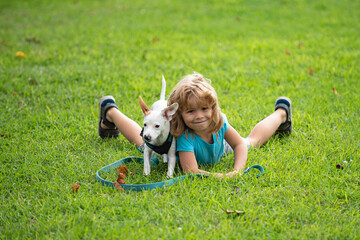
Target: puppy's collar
{"type": "Point", "coordinates": [162, 149]}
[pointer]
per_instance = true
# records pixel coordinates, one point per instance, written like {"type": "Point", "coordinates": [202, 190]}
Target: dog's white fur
{"type": "Point", "coordinates": [157, 128]}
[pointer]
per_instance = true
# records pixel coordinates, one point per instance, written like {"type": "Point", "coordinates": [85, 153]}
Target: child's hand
{"type": "Point", "coordinates": [218, 175]}
{"type": "Point", "coordinates": [228, 175]}
{"type": "Point", "coordinates": [232, 174]}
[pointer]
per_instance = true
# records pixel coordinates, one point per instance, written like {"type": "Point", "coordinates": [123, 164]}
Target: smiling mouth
{"type": "Point", "coordinates": [200, 122]}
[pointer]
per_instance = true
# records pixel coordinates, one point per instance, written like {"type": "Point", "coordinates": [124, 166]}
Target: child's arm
{"type": "Point", "coordinates": [189, 165]}
{"type": "Point", "coordinates": [240, 150]}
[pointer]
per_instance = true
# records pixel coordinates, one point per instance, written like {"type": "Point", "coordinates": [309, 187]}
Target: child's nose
{"type": "Point", "coordinates": [198, 114]}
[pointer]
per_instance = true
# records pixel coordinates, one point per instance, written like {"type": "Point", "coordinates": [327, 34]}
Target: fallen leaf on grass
{"type": "Point", "coordinates": [310, 71]}
{"type": "Point", "coordinates": [121, 178]}
{"type": "Point", "coordinates": [300, 44]}
{"type": "Point", "coordinates": [287, 52]}
{"type": "Point", "coordinates": [123, 169]}
{"type": "Point", "coordinates": [121, 181]}
{"type": "Point", "coordinates": [237, 212]}
{"type": "Point", "coordinates": [334, 91]}
{"type": "Point", "coordinates": [155, 39]}
{"type": "Point", "coordinates": [20, 55]}
{"type": "Point", "coordinates": [118, 186]}
{"type": "Point", "coordinates": [75, 187]}
{"type": "Point", "coordinates": [339, 166]}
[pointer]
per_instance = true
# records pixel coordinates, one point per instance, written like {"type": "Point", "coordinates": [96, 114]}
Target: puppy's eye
{"type": "Point", "coordinates": [157, 126]}
{"type": "Point", "coordinates": [144, 124]}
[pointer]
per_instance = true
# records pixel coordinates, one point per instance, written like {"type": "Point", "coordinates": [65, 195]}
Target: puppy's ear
{"type": "Point", "coordinates": [170, 111]}
{"type": "Point", "coordinates": [146, 110]}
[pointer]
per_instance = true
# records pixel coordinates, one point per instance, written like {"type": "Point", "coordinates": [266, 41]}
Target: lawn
{"type": "Point", "coordinates": [57, 58]}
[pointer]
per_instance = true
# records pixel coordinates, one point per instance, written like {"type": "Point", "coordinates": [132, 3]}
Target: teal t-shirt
{"type": "Point", "coordinates": [205, 153]}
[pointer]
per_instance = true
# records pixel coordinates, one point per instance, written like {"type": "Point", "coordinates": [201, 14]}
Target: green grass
{"type": "Point", "coordinates": [80, 50]}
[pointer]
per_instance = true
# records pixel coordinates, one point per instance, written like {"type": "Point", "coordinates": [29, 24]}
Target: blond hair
{"type": "Point", "coordinates": [194, 87]}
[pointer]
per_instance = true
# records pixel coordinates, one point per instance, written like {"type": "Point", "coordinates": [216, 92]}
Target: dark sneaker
{"type": "Point", "coordinates": [286, 127]}
{"type": "Point", "coordinates": [105, 104]}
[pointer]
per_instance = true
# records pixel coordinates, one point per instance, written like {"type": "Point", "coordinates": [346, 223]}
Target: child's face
{"type": "Point", "coordinates": [198, 117]}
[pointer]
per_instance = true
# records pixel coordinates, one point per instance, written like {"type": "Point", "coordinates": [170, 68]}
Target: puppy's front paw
{"type": "Point", "coordinates": [146, 169]}
{"type": "Point", "coordinates": [169, 174]}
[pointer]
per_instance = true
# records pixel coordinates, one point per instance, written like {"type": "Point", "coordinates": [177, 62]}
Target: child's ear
{"type": "Point", "coordinates": [146, 110]}
{"type": "Point", "coordinates": [170, 111]}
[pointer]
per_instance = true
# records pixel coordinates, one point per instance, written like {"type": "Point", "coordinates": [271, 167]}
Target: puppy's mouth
{"type": "Point", "coordinates": [155, 140]}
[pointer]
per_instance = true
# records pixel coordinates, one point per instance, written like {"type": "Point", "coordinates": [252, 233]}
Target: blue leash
{"type": "Point", "coordinates": [154, 161]}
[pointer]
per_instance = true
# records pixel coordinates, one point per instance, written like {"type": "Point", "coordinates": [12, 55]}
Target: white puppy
{"type": "Point", "coordinates": [156, 131]}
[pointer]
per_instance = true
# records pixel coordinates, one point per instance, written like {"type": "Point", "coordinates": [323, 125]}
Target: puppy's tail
{"type": "Point", "coordinates": [163, 89]}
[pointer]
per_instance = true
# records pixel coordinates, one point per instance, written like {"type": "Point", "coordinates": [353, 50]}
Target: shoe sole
{"type": "Point", "coordinates": [106, 133]}
{"type": "Point", "coordinates": [288, 129]}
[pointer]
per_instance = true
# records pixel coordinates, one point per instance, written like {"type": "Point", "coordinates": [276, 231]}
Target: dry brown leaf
{"type": "Point", "coordinates": [300, 44]}
{"type": "Point", "coordinates": [121, 181]}
{"type": "Point", "coordinates": [155, 39]}
{"type": "Point", "coordinates": [118, 186]}
{"type": "Point", "coordinates": [123, 169]}
{"type": "Point", "coordinates": [310, 71]}
{"type": "Point", "coordinates": [121, 178]}
{"type": "Point", "coordinates": [75, 187]}
{"type": "Point", "coordinates": [334, 91]}
{"type": "Point", "coordinates": [287, 52]}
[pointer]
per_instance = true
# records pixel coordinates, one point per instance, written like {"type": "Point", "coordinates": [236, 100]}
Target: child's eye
{"type": "Point", "coordinates": [205, 108]}
{"type": "Point", "coordinates": [190, 111]}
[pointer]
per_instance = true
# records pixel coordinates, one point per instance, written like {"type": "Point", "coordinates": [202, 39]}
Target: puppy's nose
{"type": "Point", "coordinates": [147, 138]}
